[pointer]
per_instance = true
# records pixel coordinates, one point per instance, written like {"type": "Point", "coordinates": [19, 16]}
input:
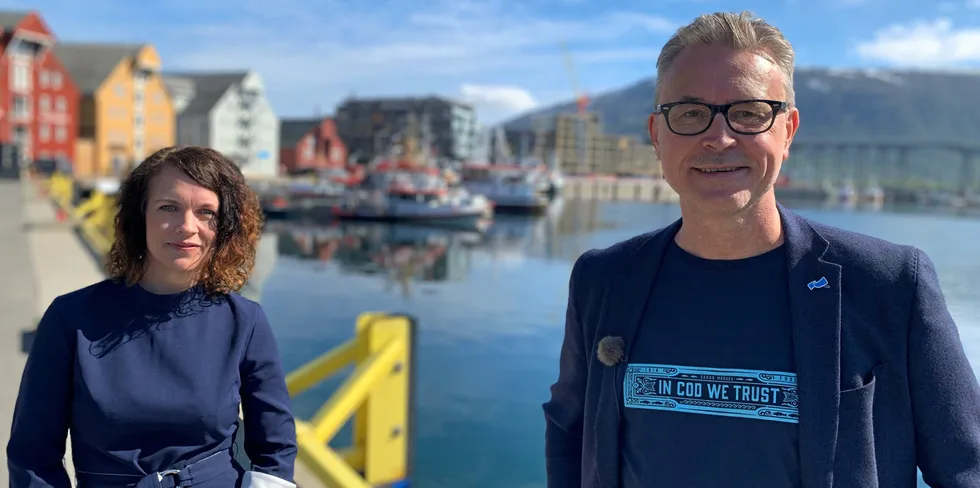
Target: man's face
{"type": "Point", "coordinates": [720, 75]}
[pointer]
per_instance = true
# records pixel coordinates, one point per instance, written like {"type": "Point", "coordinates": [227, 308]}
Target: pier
{"type": "Point", "coordinates": [42, 258]}
{"type": "Point", "coordinates": [618, 188]}
{"type": "Point", "coordinates": [54, 245]}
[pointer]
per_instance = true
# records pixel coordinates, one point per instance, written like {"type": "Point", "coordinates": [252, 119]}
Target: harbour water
{"type": "Point", "coordinates": [491, 312]}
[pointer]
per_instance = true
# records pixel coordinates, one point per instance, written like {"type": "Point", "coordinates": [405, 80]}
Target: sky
{"type": "Point", "coordinates": [502, 56]}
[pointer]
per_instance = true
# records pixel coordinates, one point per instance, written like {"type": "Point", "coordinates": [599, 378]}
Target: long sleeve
{"type": "Point", "coordinates": [565, 411]}
{"type": "Point", "coordinates": [270, 430]}
{"type": "Point", "coordinates": [943, 388]}
{"type": "Point", "coordinates": [42, 415]}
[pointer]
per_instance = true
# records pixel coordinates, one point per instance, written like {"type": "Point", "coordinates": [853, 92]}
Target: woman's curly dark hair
{"type": "Point", "coordinates": [232, 255]}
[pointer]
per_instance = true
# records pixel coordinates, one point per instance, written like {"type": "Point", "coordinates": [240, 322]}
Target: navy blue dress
{"type": "Point", "coordinates": [149, 383]}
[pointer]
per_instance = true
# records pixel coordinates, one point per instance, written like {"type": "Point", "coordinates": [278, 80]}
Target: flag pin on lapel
{"type": "Point", "coordinates": [821, 283]}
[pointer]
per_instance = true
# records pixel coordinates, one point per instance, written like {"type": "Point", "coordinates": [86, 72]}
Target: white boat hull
{"type": "Point", "coordinates": [510, 197]}
{"type": "Point", "coordinates": [460, 210]}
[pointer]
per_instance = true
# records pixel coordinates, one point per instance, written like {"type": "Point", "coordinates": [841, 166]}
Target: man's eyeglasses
{"type": "Point", "coordinates": [744, 117]}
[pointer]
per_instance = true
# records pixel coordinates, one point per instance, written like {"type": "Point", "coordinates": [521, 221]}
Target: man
{"type": "Point", "coordinates": [745, 346]}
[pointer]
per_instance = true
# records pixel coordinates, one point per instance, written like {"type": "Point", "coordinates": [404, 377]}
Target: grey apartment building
{"type": "Point", "coordinates": [368, 126]}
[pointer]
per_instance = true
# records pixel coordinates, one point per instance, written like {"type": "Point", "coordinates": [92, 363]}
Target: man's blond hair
{"type": "Point", "coordinates": [741, 31]}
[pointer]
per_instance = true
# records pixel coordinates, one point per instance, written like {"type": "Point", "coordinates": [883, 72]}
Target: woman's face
{"type": "Point", "coordinates": [181, 222]}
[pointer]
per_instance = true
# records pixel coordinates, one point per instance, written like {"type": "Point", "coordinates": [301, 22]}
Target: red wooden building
{"type": "Point", "coordinates": [310, 144]}
{"type": "Point", "coordinates": [38, 99]}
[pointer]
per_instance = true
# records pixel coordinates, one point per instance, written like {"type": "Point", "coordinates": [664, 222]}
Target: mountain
{"type": "Point", "coordinates": [834, 104]}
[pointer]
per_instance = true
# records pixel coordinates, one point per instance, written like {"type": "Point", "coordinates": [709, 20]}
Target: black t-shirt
{"type": "Point", "coordinates": [710, 390]}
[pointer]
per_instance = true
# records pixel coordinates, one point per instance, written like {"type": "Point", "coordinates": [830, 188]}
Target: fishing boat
{"type": "Point", "coordinates": [400, 192]}
{"type": "Point", "coordinates": [511, 188]}
{"type": "Point", "coordinates": [555, 183]}
{"type": "Point", "coordinates": [301, 198]}
{"type": "Point", "coordinates": [551, 181]}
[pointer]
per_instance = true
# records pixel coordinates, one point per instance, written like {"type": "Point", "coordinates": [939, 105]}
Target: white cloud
{"type": "Point", "coordinates": [923, 43]}
{"type": "Point", "coordinates": [316, 52]}
{"type": "Point", "coordinates": [496, 102]}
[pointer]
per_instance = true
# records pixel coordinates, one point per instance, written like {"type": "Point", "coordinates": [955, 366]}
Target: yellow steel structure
{"type": "Point", "coordinates": [376, 396]}
{"type": "Point", "coordinates": [95, 216]}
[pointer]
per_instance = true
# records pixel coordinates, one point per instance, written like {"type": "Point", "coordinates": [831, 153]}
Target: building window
{"type": "Point", "coordinates": [44, 104]}
{"type": "Point", "coordinates": [44, 78]}
{"type": "Point", "coordinates": [60, 104]}
{"type": "Point", "coordinates": [45, 132]}
{"type": "Point", "coordinates": [309, 145]}
{"type": "Point", "coordinates": [120, 90]}
{"type": "Point", "coordinates": [21, 107]}
{"type": "Point", "coordinates": [56, 80]}
{"type": "Point", "coordinates": [22, 80]}
{"type": "Point", "coordinates": [60, 134]}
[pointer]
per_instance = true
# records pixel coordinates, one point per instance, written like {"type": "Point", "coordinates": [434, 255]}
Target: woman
{"type": "Point", "coordinates": [148, 368]}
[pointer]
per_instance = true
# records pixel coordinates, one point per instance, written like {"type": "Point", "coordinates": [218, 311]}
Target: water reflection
{"type": "Point", "coordinates": [491, 309]}
{"type": "Point", "coordinates": [266, 256]}
{"type": "Point", "coordinates": [399, 254]}
{"type": "Point", "coordinates": [402, 254]}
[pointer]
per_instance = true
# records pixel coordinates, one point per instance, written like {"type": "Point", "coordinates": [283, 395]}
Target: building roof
{"type": "Point", "coordinates": [291, 131]}
{"type": "Point", "coordinates": [208, 88]}
{"type": "Point", "coordinates": [10, 19]}
{"type": "Point", "coordinates": [409, 100]}
{"type": "Point", "coordinates": [90, 64]}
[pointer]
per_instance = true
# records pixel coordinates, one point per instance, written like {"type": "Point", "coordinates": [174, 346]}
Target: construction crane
{"type": "Point", "coordinates": [572, 134]}
{"type": "Point", "coordinates": [581, 99]}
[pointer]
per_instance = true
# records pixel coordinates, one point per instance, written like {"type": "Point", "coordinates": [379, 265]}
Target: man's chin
{"type": "Point", "coordinates": [722, 201]}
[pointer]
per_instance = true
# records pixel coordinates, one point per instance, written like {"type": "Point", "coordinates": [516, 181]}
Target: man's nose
{"type": "Point", "coordinates": [719, 135]}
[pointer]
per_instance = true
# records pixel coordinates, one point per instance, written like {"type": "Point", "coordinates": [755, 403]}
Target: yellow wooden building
{"type": "Point", "coordinates": [125, 112]}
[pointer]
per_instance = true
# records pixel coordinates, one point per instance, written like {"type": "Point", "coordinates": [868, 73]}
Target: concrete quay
{"type": "Point", "coordinates": [621, 189]}
{"type": "Point", "coordinates": [41, 259]}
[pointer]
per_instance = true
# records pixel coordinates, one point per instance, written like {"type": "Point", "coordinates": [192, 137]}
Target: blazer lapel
{"type": "Point", "coordinates": [625, 302]}
{"type": "Point", "coordinates": [816, 315]}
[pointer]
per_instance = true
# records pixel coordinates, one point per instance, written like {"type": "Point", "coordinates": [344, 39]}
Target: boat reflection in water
{"type": "Point", "coordinates": [399, 253]}
{"type": "Point", "coordinates": [404, 253]}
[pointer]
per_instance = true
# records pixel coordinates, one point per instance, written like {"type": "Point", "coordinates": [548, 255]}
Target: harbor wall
{"type": "Point", "coordinates": [44, 258]}
{"type": "Point", "coordinates": [621, 189]}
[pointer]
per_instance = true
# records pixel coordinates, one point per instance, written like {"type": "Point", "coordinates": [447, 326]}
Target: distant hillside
{"type": "Point", "coordinates": [834, 104]}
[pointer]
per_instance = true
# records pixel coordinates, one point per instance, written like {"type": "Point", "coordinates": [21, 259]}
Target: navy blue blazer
{"type": "Point", "coordinates": [884, 383]}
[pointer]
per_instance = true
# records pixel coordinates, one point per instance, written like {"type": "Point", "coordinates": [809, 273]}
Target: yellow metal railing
{"type": "Point", "coordinates": [377, 396]}
{"type": "Point", "coordinates": [95, 216]}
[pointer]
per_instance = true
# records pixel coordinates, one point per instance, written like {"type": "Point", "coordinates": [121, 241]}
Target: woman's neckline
{"type": "Point", "coordinates": [164, 301]}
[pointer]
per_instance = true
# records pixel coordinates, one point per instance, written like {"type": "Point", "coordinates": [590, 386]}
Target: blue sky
{"type": "Point", "coordinates": [503, 56]}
